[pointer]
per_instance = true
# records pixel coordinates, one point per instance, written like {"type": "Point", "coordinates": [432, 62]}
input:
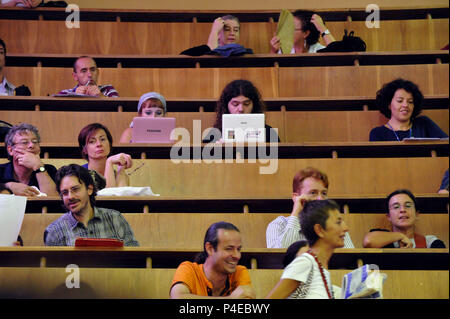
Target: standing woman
{"type": "Point", "coordinates": [307, 276]}
{"type": "Point", "coordinates": [401, 102]}
{"type": "Point", "coordinates": [239, 97]}
{"type": "Point", "coordinates": [95, 143]}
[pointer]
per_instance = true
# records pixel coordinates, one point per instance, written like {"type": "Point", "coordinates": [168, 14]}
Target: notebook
{"type": "Point", "coordinates": [243, 128]}
{"type": "Point", "coordinates": [152, 129]}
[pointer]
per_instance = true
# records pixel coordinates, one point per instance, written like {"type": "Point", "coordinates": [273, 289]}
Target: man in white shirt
{"type": "Point", "coordinates": [308, 184]}
{"type": "Point", "coordinates": [6, 88]}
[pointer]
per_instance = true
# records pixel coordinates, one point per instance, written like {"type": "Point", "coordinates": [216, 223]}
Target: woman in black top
{"type": "Point", "coordinates": [239, 97]}
{"type": "Point", "coordinates": [401, 102]}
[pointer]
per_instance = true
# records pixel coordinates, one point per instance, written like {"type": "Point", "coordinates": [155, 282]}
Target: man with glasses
{"type": "Point", "coordinates": [402, 214]}
{"type": "Point", "coordinates": [84, 219]}
{"type": "Point", "coordinates": [25, 174]}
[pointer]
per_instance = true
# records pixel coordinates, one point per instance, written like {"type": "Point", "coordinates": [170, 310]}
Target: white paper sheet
{"type": "Point", "coordinates": [12, 210]}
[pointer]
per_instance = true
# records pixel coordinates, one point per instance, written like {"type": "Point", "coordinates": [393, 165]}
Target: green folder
{"type": "Point", "coordinates": [285, 31]}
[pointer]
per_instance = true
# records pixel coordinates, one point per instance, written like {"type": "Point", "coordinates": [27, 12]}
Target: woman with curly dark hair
{"type": "Point", "coordinates": [239, 97]}
{"type": "Point", "coordinates": [401, 102]}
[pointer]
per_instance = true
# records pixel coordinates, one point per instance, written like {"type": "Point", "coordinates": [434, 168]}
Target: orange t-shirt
{"type": "Point", "coordinates": [192, 275]}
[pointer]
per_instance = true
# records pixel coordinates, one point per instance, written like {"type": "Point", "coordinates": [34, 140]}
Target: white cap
{"type": "Point", "coordinates": [152, 95]}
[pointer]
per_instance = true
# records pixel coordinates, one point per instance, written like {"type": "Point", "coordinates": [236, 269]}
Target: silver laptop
{"type": "Point", "coordinates": [152, 129]}
{"type": "Point", "coordinates": [243, 128]}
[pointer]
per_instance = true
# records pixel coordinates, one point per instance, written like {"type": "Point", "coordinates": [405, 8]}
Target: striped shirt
{"type": "Point", "coordinates": [107, 90]}
{"type": "Point", "coordinates": [106, 223]}
{"type": "Point", "coordinates": [284, 231]}
{"type": "Point", "coordinates": [7, 87]}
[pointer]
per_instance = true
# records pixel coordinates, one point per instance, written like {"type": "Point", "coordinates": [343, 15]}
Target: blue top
{"type": "Point", "coordinates": [422, 126]}
{"type": "Point", "coordinates": [444, 184]}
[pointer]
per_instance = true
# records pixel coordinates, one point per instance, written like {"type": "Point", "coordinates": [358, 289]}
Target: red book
{"type": "Point", "coordinates": [98, 242]}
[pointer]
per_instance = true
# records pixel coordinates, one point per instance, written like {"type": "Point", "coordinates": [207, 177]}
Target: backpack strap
{"type": "Point", "coordinates": [420, 241]}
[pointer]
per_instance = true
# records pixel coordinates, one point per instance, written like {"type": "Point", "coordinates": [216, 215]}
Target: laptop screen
{"type": "Point", "coordinates": [243, 128]}
{"type": "Point", "coordinates": [152, 129]}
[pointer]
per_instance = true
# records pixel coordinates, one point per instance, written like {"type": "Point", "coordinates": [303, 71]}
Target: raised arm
{"type": "Point", "coordinates": [213, 39]}
{"type": "Point", "coordinates": [320, 26]}
{"type": "Point", "coordinates": [379, 239]}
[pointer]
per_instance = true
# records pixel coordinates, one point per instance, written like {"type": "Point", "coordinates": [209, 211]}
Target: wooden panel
{"type": "Point", "coordinates": [155, 283]}
{"type": "Point", "coordinates": [403, 35]}
{"type": "Point", "coordinates": [64, 127]}
{"type": "Point", "coordinates": [359, 80]}
{"type": "Point", "coordinates": [172, 83]}
{"type": "Point", "coordinates": [347, 176]}
{"type": "Point", "coordinates": [137, 38]}
{"type": "Point", "coordinates": [341, 126]}
{"type": "Point", "coordinates": [252, 4]}
{"type": "Point", "coordinates": [187, 230]}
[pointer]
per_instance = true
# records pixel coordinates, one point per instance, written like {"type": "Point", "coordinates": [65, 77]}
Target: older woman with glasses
{"type": "Point", "coordinates": [25, 170]}
{"type": "Point", "coordinates": [402, 214]}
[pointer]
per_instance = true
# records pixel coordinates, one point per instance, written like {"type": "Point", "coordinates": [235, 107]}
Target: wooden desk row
{"type": "Point", "coordinates": [364, 204]}
{"type": "Point", "coordinates": [249, 60]}
{"type": "Point", "coordinates": [255, 15]}
{"type": "Point", "coordinates": [117, 283]}
{"type": "Point", "coordinates": [315, 128]}
{"type": "Point", "coordinates": [129, 104]}
{"type": "Point", "coordinates": [273, 82]}
{"type": "Point", "coordinates": [218, 152]}
{"type": "Point", "coordinates": [143, 257]}
{"type": "Point", "coordinates": [146, 37]}
{"type": "Point", "coordinates": [273, 178]}
{"type": "Point", "coordinates": [186, 230]}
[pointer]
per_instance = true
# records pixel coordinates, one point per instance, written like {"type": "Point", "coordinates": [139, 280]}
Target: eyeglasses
{"type": "Point", "coordinates": [25, 143]}
{"type": "Point", "coordinates": [397, 206]}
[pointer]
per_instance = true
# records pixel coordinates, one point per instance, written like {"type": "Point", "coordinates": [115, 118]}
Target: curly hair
{"type": "Point", "coordinates": [234, 89]}
{"type": "Point", "coordinates": [386, 94]}
{"type": "Point", "coordinates": [305, 18]}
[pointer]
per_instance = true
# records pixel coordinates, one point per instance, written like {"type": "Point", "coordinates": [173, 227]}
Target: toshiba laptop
{"type": "Point", "coordinates": [243, 128]}
{"type": "Point", "coordinates": [152, 129]}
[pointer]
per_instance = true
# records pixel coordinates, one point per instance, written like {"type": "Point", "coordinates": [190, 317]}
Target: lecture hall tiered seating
{"type": "Point", "coordinates": [322, 104]}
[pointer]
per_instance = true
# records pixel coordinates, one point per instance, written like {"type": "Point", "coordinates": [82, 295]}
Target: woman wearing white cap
{"type": "Point", "coordinates": [151, 104]}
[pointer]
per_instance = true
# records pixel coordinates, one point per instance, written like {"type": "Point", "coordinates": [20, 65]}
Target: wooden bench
{"type": "Point", "coordinates": [155, 283]}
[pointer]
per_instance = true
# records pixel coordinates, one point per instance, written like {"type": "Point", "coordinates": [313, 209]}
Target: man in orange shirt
{"type": "Point", "coordinates": [215, 273]}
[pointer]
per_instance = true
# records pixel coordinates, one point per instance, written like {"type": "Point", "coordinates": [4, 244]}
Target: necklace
{"type": "Point", "coordinates": [398, 139]}
{"type": "Point", "coordinates": [330, 295]}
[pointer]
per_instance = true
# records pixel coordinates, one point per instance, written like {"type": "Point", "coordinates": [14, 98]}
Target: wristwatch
{"type": "Point", "coordinates": [324, 33]}
{"type": "Point", "coordinates": [40, 169]}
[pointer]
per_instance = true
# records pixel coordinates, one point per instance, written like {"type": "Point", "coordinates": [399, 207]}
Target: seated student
{"type": "Point", "coordinates": [402, 214]}
{"type": "Point", "coordinates": [21, 3]}
{"type": "Point", "coordinates": [308, 26]}
{"type": "Point", "coordinates": [444, 184]}
{"type": "Point", "coordinates": [151, 104]}
{"type": "Point", "coordinates": [6, 88]}
{"type": "Point", "coordinates": [215, 273]}
{"type": "Point", "coordinates": [84, 219]}
{"type": "Point", "coordinates": [223, 39]}
{"type": "Point", "coordinates": [307, 276]}
{"type": "Point", "coordinates": [308, 184]}
{"type": "Point", "coordinates": [401, 102]}
{"type": "Point", "coordinates": [25, 168]}
{"type": "Point", "coordinates": [225, 30]}
{"type": "Point", "coordinates": [239, 97]}
{"type": "Point", "coordinates": [95, 142]}
{"type": "Point", "coordinates": [85, 73]}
